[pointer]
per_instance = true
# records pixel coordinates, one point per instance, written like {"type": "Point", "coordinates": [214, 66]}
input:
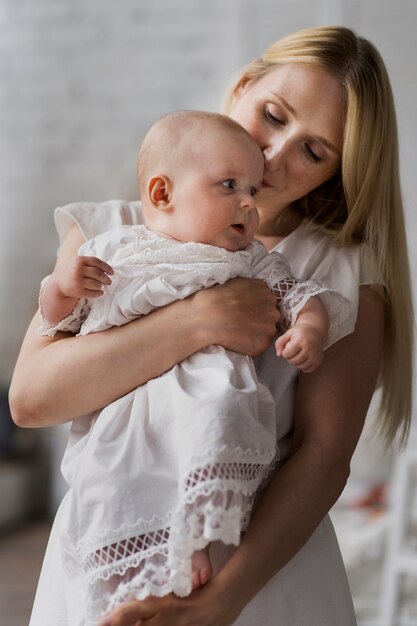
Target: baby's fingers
{"type": "Point", "coordinates": [310, 363]}
{"type": "Point", "coordinates": [97, 270]}
{"type": "Point", "coordinates": [94, 262]}
{"type": "Point", "coordinates": [283, 343]}
{"type": "Point", "coordinates": [91, 289]}
{"type": "Point", "coordinates": [94, 278]}
{"type": "Point", "coordinates": [287, 346]}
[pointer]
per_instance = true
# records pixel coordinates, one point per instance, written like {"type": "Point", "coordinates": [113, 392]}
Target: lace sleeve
{"type": "Point", "coordinates": [71, 324]}
{"type": "Point", "coordinates": [292, 294]}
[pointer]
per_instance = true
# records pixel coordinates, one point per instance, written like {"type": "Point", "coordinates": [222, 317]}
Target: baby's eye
{"type": "Point", "coordinates": [253, 191]}
{"type": "Point", "coordinates": [230, 183]}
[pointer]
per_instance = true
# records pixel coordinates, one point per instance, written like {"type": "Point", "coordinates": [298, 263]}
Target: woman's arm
{"type": "Point", "coordinates": [58, 379]}
{"type": "Point", "coordinates": [330, 411]}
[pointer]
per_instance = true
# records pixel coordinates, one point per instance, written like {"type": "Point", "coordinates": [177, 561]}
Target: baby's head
{"type": "Point", "coordinates": [198, 174]}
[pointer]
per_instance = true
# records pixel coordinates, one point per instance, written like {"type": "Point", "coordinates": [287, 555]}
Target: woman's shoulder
{"type": "Point", "coordinates": [94, 218]}
{"type": "Point", "coordinates": [313, 253]}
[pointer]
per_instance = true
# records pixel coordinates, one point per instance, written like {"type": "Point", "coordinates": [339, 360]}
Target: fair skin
{"type": "Point", "coordinates": [331, 401]}
{"type": "Point", "coordinates": [299, 134]}
{"type": "Point", "coordinates": [223, 184]}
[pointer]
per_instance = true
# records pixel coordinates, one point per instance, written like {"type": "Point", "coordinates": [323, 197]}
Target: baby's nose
{"type": "Point", "coordinates": [248, 201]}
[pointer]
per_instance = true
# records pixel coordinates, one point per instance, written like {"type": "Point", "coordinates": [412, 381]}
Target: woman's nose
{"type": "Point", "coordinates": [275, 154]}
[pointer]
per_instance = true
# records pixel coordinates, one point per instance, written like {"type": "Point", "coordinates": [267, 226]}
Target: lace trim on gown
{"type": "Point", "coordinates": [71, 324]}
{"type": "Point", "coordinates": [154, 555]}
{"type": "Point", "coordinates": [293, 294]}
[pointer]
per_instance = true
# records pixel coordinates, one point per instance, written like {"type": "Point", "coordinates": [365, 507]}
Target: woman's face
{"type": "Point", "coordinates": [295, 114]}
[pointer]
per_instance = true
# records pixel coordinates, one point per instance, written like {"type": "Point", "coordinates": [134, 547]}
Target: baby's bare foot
{"type": "Point", "coordinates": [201, 567]}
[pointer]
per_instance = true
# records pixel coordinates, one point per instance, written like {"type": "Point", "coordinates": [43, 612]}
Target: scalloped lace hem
{"type": "Point", "coordinates": [167, 567]}
{"type": "Point", "coordinates": [154, 556]}
{"type": "Point", "coordinates": [215, 510]}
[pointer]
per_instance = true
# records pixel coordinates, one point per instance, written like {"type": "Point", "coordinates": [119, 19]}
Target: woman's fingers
{"type": "Point", "coordinates": [240, 315]}
{"type": "Point", "coordinates": [129, 614]}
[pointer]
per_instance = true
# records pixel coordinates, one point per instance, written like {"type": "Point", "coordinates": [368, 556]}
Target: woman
{"type": "Point", "coordinates": [320, 106]}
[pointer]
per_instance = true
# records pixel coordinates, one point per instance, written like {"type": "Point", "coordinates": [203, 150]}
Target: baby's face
{"type": "Point", "coordinates": [214, 195]}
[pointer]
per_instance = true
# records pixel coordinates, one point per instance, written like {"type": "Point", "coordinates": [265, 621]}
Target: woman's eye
{"type": "Point", "coordinates": [272, 118]}
{"type": "Point", "coordinates": [230, 183]}
{"type": "Point", "coordinates": [311, 154]}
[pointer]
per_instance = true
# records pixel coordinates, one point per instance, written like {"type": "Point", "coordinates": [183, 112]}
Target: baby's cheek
{"type": "Point", "coordinates": [251, 231]}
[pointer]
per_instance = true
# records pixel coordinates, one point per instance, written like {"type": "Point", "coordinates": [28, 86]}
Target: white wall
{"type": "Point", "coordinates": [81, 81]}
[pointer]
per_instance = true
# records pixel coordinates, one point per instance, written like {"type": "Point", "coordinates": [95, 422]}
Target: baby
{"type": "Point", "coordinates": [175, 464]}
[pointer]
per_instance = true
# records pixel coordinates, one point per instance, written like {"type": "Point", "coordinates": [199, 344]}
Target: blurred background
{"type": "Point", "coordinates": [80, 83]}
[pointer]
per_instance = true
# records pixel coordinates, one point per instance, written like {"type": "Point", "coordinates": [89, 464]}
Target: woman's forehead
{"type": "Point", "coordinates": [300, 81]}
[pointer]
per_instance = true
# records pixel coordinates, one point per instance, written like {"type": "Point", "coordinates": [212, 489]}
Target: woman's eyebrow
{"type": "Point", "coordinates": [285, 104]}
{"type": "Point", "coordinates": [328, 145]}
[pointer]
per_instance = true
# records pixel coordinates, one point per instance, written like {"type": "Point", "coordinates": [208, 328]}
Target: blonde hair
{"type": "Point", "coordinates": [362, 202]}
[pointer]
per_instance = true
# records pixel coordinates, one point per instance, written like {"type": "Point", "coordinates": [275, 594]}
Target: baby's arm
{"type": "Point", "coordinates": [310, 322]}
{"type": "Point", "coordinates": [303, 344]}
{"type": "Point", "coordinates": [80, 277]}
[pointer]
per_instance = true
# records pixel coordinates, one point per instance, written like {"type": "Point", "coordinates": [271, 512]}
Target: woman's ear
{"type": "Point", "coordinates": [159, 192]}
{"type": "Point", "coordinates": [241, 87]}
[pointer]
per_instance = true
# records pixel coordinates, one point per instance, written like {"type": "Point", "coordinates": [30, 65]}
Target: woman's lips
{"type": "Point", "coordinates": [266, 184]}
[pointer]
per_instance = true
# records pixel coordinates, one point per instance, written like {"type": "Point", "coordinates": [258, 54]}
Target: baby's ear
{"type": "Point", "coordinates": [159, 192]}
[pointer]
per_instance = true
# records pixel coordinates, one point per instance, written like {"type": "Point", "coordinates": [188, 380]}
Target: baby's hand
{"type": "Point", "coordinates": [301, 346]}
{"type": "Point", "coordinates": [82, 277]}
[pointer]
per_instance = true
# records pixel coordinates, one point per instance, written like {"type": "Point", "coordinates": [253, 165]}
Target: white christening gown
{"type": "Point", "coordinates": [312, 588]}
{"type": "Point", "coordinates": [175, 464]}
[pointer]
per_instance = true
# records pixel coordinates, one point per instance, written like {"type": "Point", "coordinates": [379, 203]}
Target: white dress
{"type": "Point", "coordinates": [176, 463]}
{"type": "Point", "coordinates": [316, 574]}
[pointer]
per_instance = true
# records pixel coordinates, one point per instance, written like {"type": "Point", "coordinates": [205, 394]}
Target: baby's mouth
{"type": "Point", "coordinates": [240, 228]}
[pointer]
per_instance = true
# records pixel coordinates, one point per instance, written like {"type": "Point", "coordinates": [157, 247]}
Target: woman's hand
{"type": "Point", "coordinates": [240, 315]}
{"type": "Point", "coordinates": [204, 607]}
